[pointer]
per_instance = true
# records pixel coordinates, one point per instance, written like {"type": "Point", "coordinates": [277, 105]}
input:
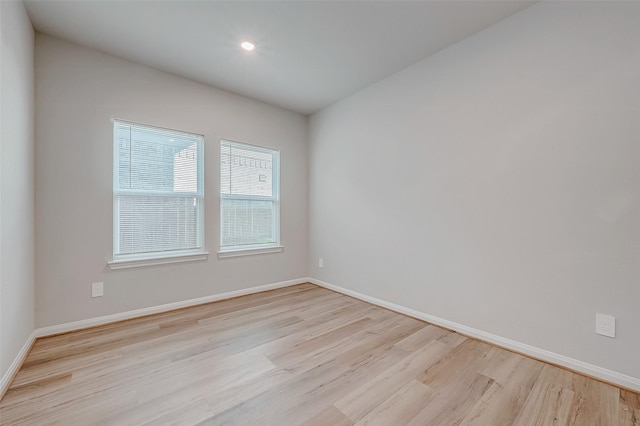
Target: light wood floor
{"type": "Point", "coordinates": [301, 355]}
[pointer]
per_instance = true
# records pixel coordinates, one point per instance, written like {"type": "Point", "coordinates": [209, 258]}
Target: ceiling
{"type": "Point", "coordinates": [309, 53]}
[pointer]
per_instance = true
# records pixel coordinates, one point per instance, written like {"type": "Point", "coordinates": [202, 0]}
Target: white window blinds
{"type": "Point", "coordinates": [249, 208]}
{"type": "Point", "coordinates": [158, 192]}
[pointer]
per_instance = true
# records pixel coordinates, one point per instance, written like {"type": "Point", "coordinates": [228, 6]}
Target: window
{"type": "Point", "coordinates": [157, 194]}
{"type": "Point", "coordinates": [249, 199]}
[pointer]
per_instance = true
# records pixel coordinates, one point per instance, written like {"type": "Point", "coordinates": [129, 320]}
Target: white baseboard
{"type": "Point", "coordinates": [92, 322]}
{"type": "Point", "coordinates": [594, 371]}
{"type": "Point", "coordinates": [6, 379]}
{"type": "Point", "coordinates": [532, 351]}
{"type": "Point", "coordinates": [8, 376]}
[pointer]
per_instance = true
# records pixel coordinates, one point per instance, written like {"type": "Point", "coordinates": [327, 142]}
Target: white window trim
{"type": "Point", "coordinates": [152, 259]}
{"type": "Point", "coordinates": [249, 251]}
{"type": "Point", "coordinates": [132, 262]}
{"type": "Point", "coordinates": [254, 249]}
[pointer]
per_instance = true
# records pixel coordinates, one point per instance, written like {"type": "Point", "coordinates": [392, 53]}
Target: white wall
{"type": "Point", "coordinates": [78, 90]}
{"type": "Point", "coordinates": [496, 184]}
{"type": "Point", "coordinates": [16, 182]}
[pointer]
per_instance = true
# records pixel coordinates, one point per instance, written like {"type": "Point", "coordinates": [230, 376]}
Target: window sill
{"type": "Point", "coordinates": [249, 252]}
{"type": "Point", "coordinates": [138, 263]}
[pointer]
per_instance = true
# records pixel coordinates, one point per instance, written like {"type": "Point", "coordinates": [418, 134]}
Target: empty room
{"type": "Point", "coordinates": [319, 212]}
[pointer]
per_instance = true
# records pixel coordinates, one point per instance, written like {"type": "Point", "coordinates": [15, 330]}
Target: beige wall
{"type": "Point", "coordinates": [496, 184]}
{"type": "Point", "coordinates": [16, 182]}
{"type": "Point", "coordinates": [78, 90]}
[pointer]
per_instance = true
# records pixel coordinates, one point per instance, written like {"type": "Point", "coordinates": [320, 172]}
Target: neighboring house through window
{"type": "Point", "coordinates": [158, 195]}
{"type": "Point", "coordinates": [249, 199]}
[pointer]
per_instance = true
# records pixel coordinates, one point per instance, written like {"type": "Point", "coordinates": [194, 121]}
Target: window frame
{"type": "Point", "coordinates": [257, 248]}
{"type": "Point", "coordinates": [121, 261]}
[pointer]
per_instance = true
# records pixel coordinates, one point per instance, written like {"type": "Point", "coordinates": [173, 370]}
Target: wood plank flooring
{"type": "Point", "coordinates": [301, 355]}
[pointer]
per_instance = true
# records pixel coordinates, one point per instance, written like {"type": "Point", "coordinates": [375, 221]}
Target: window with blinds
{"type": "Point", "coordinates": [249, 202]}
{"type": "Point", "coordinates": [157, 192]}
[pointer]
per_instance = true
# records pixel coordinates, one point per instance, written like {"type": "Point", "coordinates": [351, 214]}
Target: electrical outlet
{"type": "Point", "coordinates": [606, 325]}
{"type": "Point", "coordinates": [97, 289]}
{"type": "Point", "coordinates": [321, 263]}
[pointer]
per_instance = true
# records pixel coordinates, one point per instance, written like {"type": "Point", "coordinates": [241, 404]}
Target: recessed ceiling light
{"type": "Point", "coordinates": [248, 45]}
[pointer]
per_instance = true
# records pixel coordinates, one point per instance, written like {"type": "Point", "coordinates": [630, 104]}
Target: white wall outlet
{"type": "Point", "coordinates": [321, 263]}
{"type": "Point", "coordinates": [606, 325]}
{"type": "Point", "coordinates": [97, 289]}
